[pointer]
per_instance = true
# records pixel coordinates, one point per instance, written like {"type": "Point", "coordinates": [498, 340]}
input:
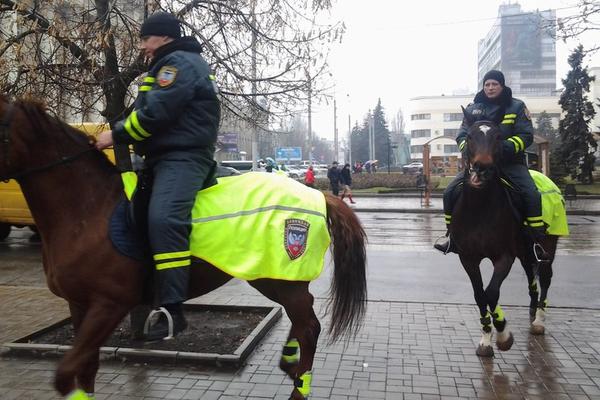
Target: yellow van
{"type": "Point", "coordinates": [13, 207]}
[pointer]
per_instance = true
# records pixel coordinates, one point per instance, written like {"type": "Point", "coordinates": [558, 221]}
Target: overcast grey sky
{"type": "Point", "coordinates": [397, 50]}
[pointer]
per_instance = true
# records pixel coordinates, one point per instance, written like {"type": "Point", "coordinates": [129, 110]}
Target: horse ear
{"type": "Point", "coordinates": [468, 116]}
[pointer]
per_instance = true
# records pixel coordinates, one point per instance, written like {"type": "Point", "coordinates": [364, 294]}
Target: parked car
{"type": "Point", "coordinates": [296, 171]}
{"type": "Point", "coordinates": [412, 168]}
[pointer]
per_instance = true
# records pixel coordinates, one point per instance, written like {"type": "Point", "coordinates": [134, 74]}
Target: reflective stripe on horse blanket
{"type": "Point", "coordinates": [261, 225]}
{"type": "Point", "coordinates": [553, 205]}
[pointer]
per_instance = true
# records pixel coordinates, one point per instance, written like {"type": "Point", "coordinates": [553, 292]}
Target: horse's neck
{"type": "Point", "coordinates": [489, 203]}
{"type": "Point", "coordinates": [70, 193]}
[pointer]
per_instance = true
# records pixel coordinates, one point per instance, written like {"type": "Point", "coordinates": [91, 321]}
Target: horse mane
{"type": "Point", "coordinates": [38, 114]}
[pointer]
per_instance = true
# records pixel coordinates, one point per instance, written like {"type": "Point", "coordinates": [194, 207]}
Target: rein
{"type": "Point", "coordinates": [5, 142]}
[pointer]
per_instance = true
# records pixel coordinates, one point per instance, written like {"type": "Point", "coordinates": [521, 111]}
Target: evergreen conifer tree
{"type": "Point", "coordinates": [381, 135]}
{"type": "Point", "coordinates": [577, 143]}
{"type": "Point", "coordinates": [544, 127]}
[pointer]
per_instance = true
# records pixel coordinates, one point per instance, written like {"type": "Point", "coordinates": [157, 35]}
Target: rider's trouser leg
{"type": "Point", "coordinates": [450, 197]}
{"type": "Point", "coordinates": [518, 175]}
{"type": "Point", "coordinates": [176, 183]}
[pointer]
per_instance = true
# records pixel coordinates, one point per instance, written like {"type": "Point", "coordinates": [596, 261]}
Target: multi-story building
{"type": "Point", "coordinates": [522, 45]}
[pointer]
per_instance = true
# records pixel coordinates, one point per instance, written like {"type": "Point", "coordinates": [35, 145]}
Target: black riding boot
{"type": "Point", "coordinates": [160, 329]}
{"type": "Point", "coordinates": [446, 246]}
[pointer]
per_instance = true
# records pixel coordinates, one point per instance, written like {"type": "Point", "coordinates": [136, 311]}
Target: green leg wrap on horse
{"type": "Point", "coordinates": [498, 313]}
{"type": "Point", "coordinates": [79, 395]}
{"type": "Point", "coordinates": [303, 383]}
{"type": "Point", "coordinates": [291, 352]}
{"type": "Point", "coordinates": [486, 322]}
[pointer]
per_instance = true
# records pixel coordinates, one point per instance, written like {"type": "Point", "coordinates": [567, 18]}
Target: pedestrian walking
{"type": "Point", "coordinates": [346, 181]}
{"type": "Point", "coordinates": [309, 178]}
{"type": "Point", "coordinates": [333, 174]}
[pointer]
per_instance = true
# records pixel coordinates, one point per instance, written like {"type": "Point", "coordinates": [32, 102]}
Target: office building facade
{"type": "Point", "coordinates": [522, 45]}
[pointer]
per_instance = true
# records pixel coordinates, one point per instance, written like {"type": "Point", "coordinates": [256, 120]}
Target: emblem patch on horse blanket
{"type": "Point", "coordinates": [296, 231]}
{"type": "Point", "coordinates": [261, 225]}
{"type": "Point", "coordinates": [554, 214]}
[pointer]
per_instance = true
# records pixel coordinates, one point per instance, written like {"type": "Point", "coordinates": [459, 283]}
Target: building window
{"type": "Point", "coordinates": [416, 148]}
{"type": "Point", "coordinates": [451, 132]}
{"type": "Point", "coordinates": [417, 133]}
{"type": "Point", "coordinates": [453, 117]}
{"type": "Point", "coordinates": [420, 116]}
{"type": "Point", "coordinates": [550, 115]}
{"type": "Point", "coordinates": [549, 74]}
{"type": "Point", "coordinates": [450, 148]}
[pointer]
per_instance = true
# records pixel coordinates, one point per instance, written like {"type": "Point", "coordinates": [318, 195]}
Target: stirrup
{"type": "Point", "coordinates": [160, 310]}
{"type": "Point", "coordinates": [539, 252]}
{"type": "Point", "coordinates": [447, 250]}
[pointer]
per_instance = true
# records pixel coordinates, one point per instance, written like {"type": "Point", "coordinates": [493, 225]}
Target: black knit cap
{"type": "Point", "coordinates": [495, 75]}
{"type": "Point", "coordinates": [161, 24]}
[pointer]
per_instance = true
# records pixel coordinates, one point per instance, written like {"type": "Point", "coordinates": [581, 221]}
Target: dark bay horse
{"type": "Point", "coordinates": [484, 225]}
{"type": "Point", "coordinates": [72, 189]}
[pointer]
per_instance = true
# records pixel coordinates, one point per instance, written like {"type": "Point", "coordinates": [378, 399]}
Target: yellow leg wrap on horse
{"type": "Point", "coordinates": [486, 321]}
{"type": "Point", "coordinates": [291, 352]}
{"type": "Point", "coordinates": [303, 383]}
{"type": "Point", "coordinates": [498, 314]}
{"type": "Point", "coordinates": [79, 395]}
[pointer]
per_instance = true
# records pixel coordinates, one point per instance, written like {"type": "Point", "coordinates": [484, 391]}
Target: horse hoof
{"type": "Point", "coordinates": [536, 329]}
{"type": "Point", "coordinates": [485, 351]}
{"type": "Point", "coordinates": [507, 344]}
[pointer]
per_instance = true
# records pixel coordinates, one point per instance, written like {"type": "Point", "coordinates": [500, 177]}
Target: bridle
{"type": "Point", "coordinates": [484, 173]}
{"type": "Point", "coordinates": [5, 129]}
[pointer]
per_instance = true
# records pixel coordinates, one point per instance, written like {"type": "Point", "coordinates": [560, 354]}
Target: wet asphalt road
{"type": "Point", "coordinates": [402, 264]}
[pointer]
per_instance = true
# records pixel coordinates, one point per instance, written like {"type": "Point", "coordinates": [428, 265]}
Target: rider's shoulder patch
{"type": "Point", "coordinates": [527, 113]}
{"type": "Point", "coordinates": [166, 76]}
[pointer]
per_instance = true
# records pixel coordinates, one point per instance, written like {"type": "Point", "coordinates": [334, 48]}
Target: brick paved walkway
{"type": "Point", "coordinates": [405, 351]}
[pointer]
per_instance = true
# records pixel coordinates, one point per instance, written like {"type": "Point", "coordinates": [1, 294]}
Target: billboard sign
{"type": "Point", "coordinates": [228, 142]}
{"type": "Point", "coordinates": [521, 41]}
{"type": "Point", "coordinates": [288, 154]}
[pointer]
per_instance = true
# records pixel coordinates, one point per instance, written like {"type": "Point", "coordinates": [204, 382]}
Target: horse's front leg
{"type": "Point", "coordinates": [87, 375]}
{"type": "Point", "coordinates": [502, 266]}
{"type": "Point", "coordinates": [81, 362]}
{"type": "Point", "coordinates": [471, 266]}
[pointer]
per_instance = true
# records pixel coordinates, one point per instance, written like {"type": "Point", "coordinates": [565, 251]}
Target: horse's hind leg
{"type": "Point", "coordinates": [545, 277]}
{"type": "Point", "coordinates": [530, 268]}
{"type": "Point", "coordinates": [299, 351]}
{"type": "Point", "coordinates": [81, 362]}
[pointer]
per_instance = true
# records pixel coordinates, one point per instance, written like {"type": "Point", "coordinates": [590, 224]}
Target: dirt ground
{"type": "Point", "coordinates": [209, 331]}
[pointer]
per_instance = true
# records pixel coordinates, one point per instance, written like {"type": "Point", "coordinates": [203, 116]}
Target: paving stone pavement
{"type": "Point", "coordinates": [405, 351]}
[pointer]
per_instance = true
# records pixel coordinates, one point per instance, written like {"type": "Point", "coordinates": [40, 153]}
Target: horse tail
{"type": "Point", "coordinates": [348, 291]}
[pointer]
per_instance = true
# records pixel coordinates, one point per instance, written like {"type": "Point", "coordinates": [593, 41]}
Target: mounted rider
{"type": "Point", "coordinates": [495, 103]}
{"type": "Point", "coordinates": [174, 127]}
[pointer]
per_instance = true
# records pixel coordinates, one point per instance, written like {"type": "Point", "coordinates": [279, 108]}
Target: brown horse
{"type": "Point", "coordinates": [485, 225]}
{"type": "Point", "coordinates": [72, 189]}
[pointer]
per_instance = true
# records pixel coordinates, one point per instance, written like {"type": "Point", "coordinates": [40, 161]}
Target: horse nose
{"type": "Point", "coordinates": [483, 161]}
